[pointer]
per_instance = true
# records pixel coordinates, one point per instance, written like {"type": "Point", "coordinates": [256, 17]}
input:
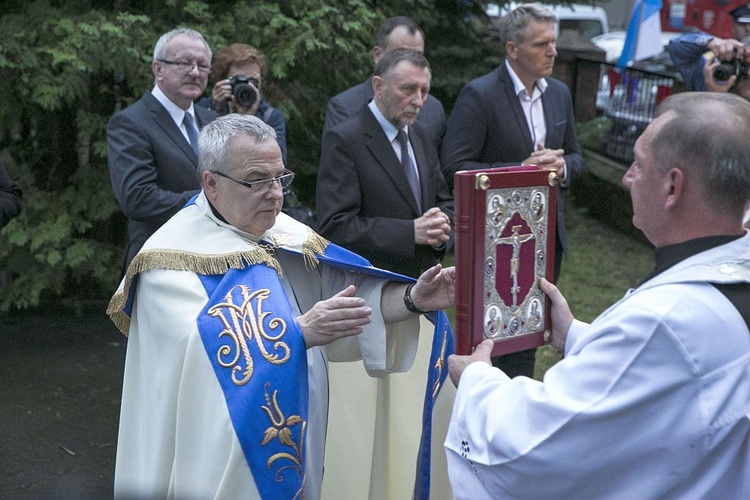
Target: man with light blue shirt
{"type": "Point", "coordinates": [398, 214]}
{"type": "Point", "coordinates": [380, 193]}
{"type": "Point", "coordinates": [152, 144]}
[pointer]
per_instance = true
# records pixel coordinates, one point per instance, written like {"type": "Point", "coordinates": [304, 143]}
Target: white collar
{"type": "Point", "coordinates": [518, 85]}
{"type": "Point", "coordinates": [176, 112]}
{"type": "Point", "coordinates": [390, 129]}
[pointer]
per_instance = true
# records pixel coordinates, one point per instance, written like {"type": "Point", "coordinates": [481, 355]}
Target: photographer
{"type": "Point", "coordinates": [238, 71]}
{"type": "Point", "coordinates": [713, 74]}
{"type": "Point", "coordinates": [721, 75]}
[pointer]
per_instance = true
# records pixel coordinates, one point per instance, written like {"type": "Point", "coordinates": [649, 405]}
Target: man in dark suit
{"type": "Point", "coordinates": [152, 160]}
{"type": "Point", "coordinates": [364, 198]}
{"type": "Point", "coordinates": [381, 193]}
{"type": "Point", "coordinates": [395, 33]}
{"type": "Point", "coordinates": [516, 115]}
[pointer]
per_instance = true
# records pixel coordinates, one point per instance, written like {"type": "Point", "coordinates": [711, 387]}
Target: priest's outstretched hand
{"type": "Point", "coordinates": [435, 289]}
{"type": "Point", "coordinates": [343, 315]}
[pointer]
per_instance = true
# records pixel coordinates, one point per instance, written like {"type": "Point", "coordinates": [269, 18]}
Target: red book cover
{"type": "Point", "coordinates": [505, 241]}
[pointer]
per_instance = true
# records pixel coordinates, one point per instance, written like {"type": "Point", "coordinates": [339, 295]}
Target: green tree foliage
{"type": "Point", "coordinates": [67, 66]}
{"type": "Point", "coordinates": [56, 79]}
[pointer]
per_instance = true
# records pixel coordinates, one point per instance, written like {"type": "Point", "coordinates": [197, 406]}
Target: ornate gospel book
{"type": "Point", "coordinates": [505, 241]}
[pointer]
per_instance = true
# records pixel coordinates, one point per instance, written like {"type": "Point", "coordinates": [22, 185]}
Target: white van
{"type": "Point", "coordinates": [585, 19]}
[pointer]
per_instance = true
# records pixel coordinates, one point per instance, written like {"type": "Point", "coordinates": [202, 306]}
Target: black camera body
{"type": "Point", "coordinates": [726, 69]}
{"type": "Point", "coordinates": [244, 93]}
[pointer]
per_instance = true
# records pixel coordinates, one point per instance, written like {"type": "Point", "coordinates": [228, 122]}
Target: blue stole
{"type": "Point", "coordinates": [259, 356]}
{"type": "Point", "coordinates": [443, 345]}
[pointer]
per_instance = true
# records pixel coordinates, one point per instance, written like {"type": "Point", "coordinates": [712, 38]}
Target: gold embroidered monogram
{"type": "Point", "coordinates": [247, 322]}
{"type": "Point", "coordinates": [281, 427]}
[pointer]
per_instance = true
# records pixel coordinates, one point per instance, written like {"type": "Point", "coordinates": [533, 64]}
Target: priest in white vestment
{"type": "Point", "coordinates": [232, 311]}
{"type": "Point", "coordinates": [652, 399]}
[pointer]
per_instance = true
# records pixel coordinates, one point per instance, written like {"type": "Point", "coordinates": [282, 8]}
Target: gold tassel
{"type": "Point", "coordinates": [314, 244]}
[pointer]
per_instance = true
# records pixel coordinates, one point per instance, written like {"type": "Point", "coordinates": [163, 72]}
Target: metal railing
{"type": "Point", "coordinates": [629, 98]}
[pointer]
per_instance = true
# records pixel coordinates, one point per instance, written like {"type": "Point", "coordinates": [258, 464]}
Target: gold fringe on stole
{"type": "Point", "coordinates": [314, 244]}
{"type": "Point", "coordinates": [174, 260]}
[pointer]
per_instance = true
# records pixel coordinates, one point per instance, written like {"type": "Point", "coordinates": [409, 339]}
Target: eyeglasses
{"type": "Point", "coordinates": [187, 67]}
{"type": "Point", "coordinates": [284, 180]}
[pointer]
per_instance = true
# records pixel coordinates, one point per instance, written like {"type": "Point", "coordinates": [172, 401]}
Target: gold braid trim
{"type": "Point", "coordinates": [174, 260]}
{"type": "Point", "coordinates": [314, 244]}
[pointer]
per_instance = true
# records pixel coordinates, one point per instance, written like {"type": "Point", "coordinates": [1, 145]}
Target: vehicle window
{"type": "Point", "coordinates": [587, 27]}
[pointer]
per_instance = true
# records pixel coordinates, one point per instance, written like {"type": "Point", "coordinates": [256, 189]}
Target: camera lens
{"type": "Point", "coordinates": [244, 94]}
{"type": "Point", "coordinates": [723, 71]}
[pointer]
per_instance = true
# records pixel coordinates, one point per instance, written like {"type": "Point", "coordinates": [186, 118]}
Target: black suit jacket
{"type": "Point", "coordinates": [487, 129]}
{"type": "Point", "coordinates": [364, 202]}
{"type": "Point", "coordinates": [152, 167]}
{"type": "Point", "coordinates": [345, 105]}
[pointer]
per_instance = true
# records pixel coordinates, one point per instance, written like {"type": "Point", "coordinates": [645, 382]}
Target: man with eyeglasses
{"type": "Point", "coordinates": [233, 310]}
{"type": "Point", "coordinates": [152, 144]}
{"type": "Point", "coordinates": [239, 72]}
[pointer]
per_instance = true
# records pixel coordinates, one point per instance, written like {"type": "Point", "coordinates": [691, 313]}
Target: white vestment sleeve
{"type": "Point", "coordinates": [383, 348]}
{"type": "Point", "coordinates": [638, 387]}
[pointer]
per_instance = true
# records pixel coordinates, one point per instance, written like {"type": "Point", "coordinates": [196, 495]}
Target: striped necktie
{"type": "Point", "coordinates": [409, 170]}
{"type": "Point", "coordinates": [192, 132]}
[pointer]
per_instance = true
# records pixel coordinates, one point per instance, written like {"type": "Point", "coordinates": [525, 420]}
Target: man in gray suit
{"type": "Point", "coordinates": [395, 33]}
{"type": "Point", "coordinates": [152, 144]}
{"type": "Point", "coordinates": [515, 115]}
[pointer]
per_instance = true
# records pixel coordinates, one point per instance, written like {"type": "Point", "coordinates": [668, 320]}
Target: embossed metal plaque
{"type": "Point", "coordinates": [505, 240]}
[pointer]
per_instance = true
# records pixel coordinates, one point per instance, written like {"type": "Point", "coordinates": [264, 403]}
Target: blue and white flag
{"type": "Point", "coordinates": [643, 38]}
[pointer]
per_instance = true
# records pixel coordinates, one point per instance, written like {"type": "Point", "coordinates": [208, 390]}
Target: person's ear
{"type": "Point", "coordinates": [675, 187]}
{"type": "Point", "coordinates": [209, 186]}
{"type": "Point", "coordinates": [377, 86]}
{"type": "Point", "coordinates": [377, 53]}
{"type": "Point", "coordinates": [511, 50]}
{"type": "Point", "coordinates": [156, 68]}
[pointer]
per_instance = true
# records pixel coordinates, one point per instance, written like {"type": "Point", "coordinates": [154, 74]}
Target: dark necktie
{"type": "Point", "coordinates": [191, 131]}
{"type": "Point", "coordinates": [409, 170]}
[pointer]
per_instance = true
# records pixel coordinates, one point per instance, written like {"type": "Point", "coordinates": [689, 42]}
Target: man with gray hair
{"type": "Point", "coordinates": [518, 115]}
{"type": "Point", "coordinates": [381, 193]}
{"type": "Point", "coordinates": [152, 144]}
{"type": "Point", "coordinates": [232, 311]}
{"type": "Point", "coordinates": [399, 32]}
{"type": "Point", "coordinates": [651, 399]}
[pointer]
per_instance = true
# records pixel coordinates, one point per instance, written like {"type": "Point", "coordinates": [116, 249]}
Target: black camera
{"type": "Point", "coordinates": [726, 69]}
{"type": "Point", "coordinates": [244, 93]}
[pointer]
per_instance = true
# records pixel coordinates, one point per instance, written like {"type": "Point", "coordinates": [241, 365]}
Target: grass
{"type": "Point", "coordinates": [602, 263]}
